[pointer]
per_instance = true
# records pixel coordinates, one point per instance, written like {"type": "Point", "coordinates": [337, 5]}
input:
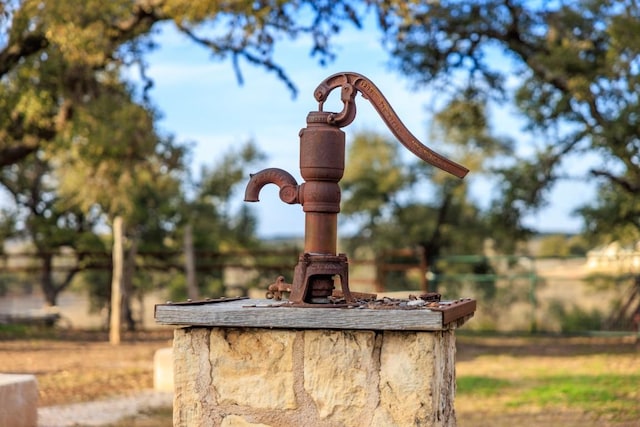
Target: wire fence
{"type": "Point", "coordinates": [513, 293]}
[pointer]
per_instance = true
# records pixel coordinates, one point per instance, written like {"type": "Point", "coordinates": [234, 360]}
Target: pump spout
{"type": "Point", "coordinates": [283, 179]}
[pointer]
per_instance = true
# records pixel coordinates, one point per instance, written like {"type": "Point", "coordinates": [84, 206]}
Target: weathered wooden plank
{"type": "Point", "coordinates": [256, 313]}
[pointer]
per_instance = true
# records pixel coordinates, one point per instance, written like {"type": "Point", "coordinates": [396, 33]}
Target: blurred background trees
{"type": "Point", "coordinates": [79, 143]}
{"type": "Point", "coordinates": [570, 68]}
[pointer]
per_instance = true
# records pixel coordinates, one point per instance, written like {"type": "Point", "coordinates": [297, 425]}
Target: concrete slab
{"type": "Point", "coordinates": [163, 369]}
{"type": "Point", "coordinates": [18, 400]}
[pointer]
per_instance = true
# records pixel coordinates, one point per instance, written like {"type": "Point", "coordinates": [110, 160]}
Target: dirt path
{"type": "Point", "coordinates": [104, 411]}
{"type": "Point", "coordinates": [82, 366]}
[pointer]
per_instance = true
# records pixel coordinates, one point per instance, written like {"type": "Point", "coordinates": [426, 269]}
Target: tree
{"type": "Point", "coordinates": [54, 54]}
{"type": "Point", "coordinates": [96, 168]}
{"type": "Point", "coordinates": [374, 179]}
{"type": "Point", "coordinates": [128, 171]}
{"type": "Point", "coordinates": [576, 75]}
{"type": "Point", "coordinates": [50, 222]}
{"type": "Point", "coordinates": [63, 93]}
{"type": "Point", "coordinates": [574, 64]}
{"type": "Point", "coordinates": [613, 217]}
{"type": "Point", "coordinates": [559, 245]}
{"type": "Point", "coordinates": [216, 225]}
{"type": "Point", "coordinates": [388, 194]}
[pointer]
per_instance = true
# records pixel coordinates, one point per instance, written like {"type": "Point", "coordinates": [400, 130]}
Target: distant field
{"type": "Point", "coordinates": [548, 382]}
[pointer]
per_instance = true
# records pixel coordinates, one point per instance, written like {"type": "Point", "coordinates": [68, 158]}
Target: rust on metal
{"type": "Point", "coordinates": [277, 289]}
{"type": "Point", "coordinates": [454, 310]}
{"type": "Point", "coordinates": [351, 83]}
{"type": "Point", "coordinates": [322, 161]}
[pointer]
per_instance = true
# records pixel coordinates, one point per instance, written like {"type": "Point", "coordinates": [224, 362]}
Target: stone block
{"type": "Point", "coordinates": [194, 395]}
{"type": "Point", "coordinates": [236, 421]}
{"type": "Point", "coordinates": [339, 369]}
{"type": "Point", "coordinates": [406, 378]}
{"type": "Point", "coordinates": [256, 377]}
{"type": "Point", "coordinates": [253, 367]}
{"type": "Point", "coordinates": [18, 400]}
{"type": "Point", "coordinates": [163, 369]}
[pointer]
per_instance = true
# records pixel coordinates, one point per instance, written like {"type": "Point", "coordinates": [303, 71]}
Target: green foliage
{"type": "Point", "coordinates": [23, 331]}
{"type": "Point", "coordinates": [614, 216]}
{"type": "Point", "coordinates": [373, 177]}
{"type": "Point", "coordinates": [8, 224]}
{"type": "Point", "coordinates": [569, 68]}
{"type": "Point", "coordinates": [209, 286]}
{"type": "Point", "coordinates": [58, 58]}
{"type": "Point", "coordinates": [604, 281]}
{"type": "Point", "coordinates": [382, 195]}
{"type": "Point", "coordinates": [555, 245]}
{"type": "Point", "coordinates": [576, 319]}
{"type": "Point", "coordinates": [50, 222]}
{"type": "Point", "coordinates": [215, 225]}
{"type": "Point", "coordinates": [97, 285]}
{"type": "Point", "coordinates": [561, 245]}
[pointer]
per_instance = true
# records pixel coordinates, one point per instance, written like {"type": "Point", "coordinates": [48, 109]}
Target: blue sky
{"type": "Point", "coordinates": [202, 102]}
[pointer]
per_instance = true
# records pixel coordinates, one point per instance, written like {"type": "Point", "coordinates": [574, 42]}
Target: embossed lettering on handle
{"type": "Point", "coordinates": [351, 83]}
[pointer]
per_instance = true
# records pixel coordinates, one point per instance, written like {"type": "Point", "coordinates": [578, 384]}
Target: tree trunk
{"type": "Point", "coordinates": [49, 289]}
{"type": "Point", "coordinates": [430, 249]}
{"type": "Point", "coordinates": [127, 283]}
{"type": "Point", "coordinates": [46, 280]}
{"type": "Point", "coordinates": [190, 264]}
{"type": "Point", "coordinates": [116, 282]}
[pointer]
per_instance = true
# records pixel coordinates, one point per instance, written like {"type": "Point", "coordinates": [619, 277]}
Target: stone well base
{"type": "Point", "coordinates": [18, 400]}
{"type": "Point", "coordinates": [278, 377]}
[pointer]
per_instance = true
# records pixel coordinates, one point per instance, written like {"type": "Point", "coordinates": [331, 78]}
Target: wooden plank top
{"type": "Point", "coordinates": [264, 313]}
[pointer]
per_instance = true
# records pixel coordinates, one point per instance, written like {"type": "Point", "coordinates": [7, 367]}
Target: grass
{"type": "Point", "coordinates": [598, 384]}
{"type": "Point", "coordinates": [481, 386]}
{"type": "Point", "coordinates": [614, 395]}
{"type": "Point", "coordinates": [24, 331]}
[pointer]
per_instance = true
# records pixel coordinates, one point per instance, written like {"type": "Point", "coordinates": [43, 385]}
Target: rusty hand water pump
{"type": "Point", "coordinates": [322, 159]}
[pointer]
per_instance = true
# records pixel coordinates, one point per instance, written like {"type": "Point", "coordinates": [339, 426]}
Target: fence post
{"type": "Point", "coordinates": [533, 327]}
{"type": "Point", "coordinates": [116, 282]}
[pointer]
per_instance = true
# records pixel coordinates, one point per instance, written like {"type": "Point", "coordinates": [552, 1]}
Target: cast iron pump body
{"type": "Point", "coordinates": [322, 159]}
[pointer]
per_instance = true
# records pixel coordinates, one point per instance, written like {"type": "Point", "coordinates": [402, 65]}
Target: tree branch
{"type": "Point", "coordinates": [12, 154]}
{"type": "Point", "coordinates": [627, 185]}
{"type": "Point", "coordinates": [144, 15]}
{"type": "Point", "coordinates": [240, 51]}
{"type": "Point", "coordinates": [11, 55]}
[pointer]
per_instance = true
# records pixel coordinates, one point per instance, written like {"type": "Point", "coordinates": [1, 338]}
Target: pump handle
{"type": "Point", "coordinates": [351, 83]}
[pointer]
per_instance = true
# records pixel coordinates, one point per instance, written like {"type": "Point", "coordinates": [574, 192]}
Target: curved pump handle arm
{"type": "Point", "coordinates": [351, 83]}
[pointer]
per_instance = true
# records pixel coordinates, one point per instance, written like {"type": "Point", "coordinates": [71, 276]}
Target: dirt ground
{"type": "Point", "coordinates": [76, 366]}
